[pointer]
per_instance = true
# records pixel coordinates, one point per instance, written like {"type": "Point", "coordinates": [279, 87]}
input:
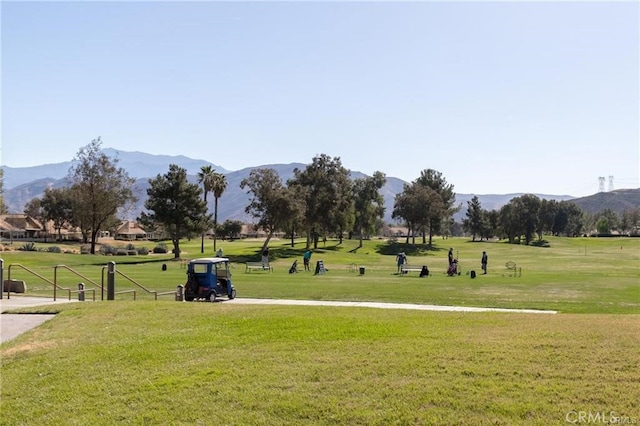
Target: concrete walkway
{"type": "Point", "coordinates": [383, 305]}
{"type": "Point", "coordinates": [12, 325]}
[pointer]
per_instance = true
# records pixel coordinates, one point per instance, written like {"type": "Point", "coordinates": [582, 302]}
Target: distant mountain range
{"type": "Point", "coordinates": [21, 184]}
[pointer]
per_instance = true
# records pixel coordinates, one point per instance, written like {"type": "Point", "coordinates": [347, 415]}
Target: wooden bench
{"type": "Point", "coordinates": [410, 268]}
{"type": "Point", "coordinates": [259, 266]}
{"type": "Point", "coordinates": [513, 269]}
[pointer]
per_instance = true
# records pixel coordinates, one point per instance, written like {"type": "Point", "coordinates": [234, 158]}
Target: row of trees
{"type": "Point", "coordinates": [608, 221]}
{"type": "Point", "coordinates": [522, 218]}
{"type": "Point", "coordinates": [528, 216]}
{"type": "Point", "coordinates": [320, 201]}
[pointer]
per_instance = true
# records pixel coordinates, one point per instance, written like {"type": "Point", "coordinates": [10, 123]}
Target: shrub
{"type": "Point", "coordinates": [54, 249]}
{"type": "Point", "coordinates": [28, 246]}
{"type": "Point", "coordinates": [106, 249]}
{"type": "Point", "coordinates": [121, 252]}
{"type": "Point", "coordinates": [86, 249]}
{"type": "Point", "coordinates": [160, 248]}
{"type": "Point", "coordinates": [142, 250]}
{"type": "Point", "coordinates": [131, 247]}
{"type": "Point", "coordinates": [540, 243]}
{"type": "Point", "coordinates": [132, 252]}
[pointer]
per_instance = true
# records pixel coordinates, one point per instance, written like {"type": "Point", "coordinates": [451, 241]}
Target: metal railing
{"type": "Point", "coordinates": [155, 293]}
{"type": "Point", "coordinates": [55, 280]}
{"type": "Point", "coordinates": [53, 283]}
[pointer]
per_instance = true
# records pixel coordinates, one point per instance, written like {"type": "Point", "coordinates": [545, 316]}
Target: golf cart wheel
{"type": "Point", "coordinates": [212, 297]}
{"type": "Point", "coordinates": [232, 295]}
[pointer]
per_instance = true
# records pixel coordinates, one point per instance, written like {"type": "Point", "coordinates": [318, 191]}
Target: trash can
{"type": "Point", "coordinates": [362, 270]}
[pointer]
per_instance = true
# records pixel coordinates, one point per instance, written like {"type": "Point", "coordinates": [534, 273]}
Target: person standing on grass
{"type": "Point", "coordinates": [401, 258]}
{"type": "Point", "coordinates": [484, 261]}
{"type": "Point", "coordinates": [306, 257]}
{"type": "Point", "coordinates": [450, 256]}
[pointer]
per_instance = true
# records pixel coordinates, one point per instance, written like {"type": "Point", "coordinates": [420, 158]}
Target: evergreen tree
{"type": "Point", "coordinates": [474, 222]}
{"type": "Point", "coordinates": [176, 205]}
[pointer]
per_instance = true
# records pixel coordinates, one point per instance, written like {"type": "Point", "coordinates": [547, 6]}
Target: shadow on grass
{"type": "Point", "coordinates": [394, 247]}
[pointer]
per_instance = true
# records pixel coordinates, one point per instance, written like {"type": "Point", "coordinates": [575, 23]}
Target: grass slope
{"type": "Point", "coordinates": [163, 362]}
{"type": "Point", "coordinates": [146, 362]}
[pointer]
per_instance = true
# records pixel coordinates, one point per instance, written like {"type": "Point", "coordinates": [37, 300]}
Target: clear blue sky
{"type": "Point", "coordinates": [500, 97]}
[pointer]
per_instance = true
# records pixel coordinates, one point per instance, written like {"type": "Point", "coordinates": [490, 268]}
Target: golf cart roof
{"type": "Point", "coordinates": [210, 260]}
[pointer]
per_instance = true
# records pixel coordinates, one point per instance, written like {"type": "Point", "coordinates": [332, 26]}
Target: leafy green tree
{"type": "Point", "coordinates": [57, 204]}
{"type": "Point", "coordinates": [611, 219]}
{"type": "Point", "coordinates": [176, 205]}
{"type": "Point", "coordinates": [509, 223]}
{"type": "Point", "coordinates": [230, 229]}
{"type": "Point", "coordinates": [490, 224]}
{"type": "Point", "coordinates": [100, 189]}
{"type": "Point", "coordinates": [269, 201]}
{"type": "Point", "coordinates": [603, 226]}
{"type": "Point", "coordinates": [34, 209]}
{"type": "Point", "coordinates": [219, 185]}
{"type": "Point", "coordinates": [368, 203]}
{"type": "Point", "coordinates": [590, 222]}
{"type": "Point", "coordinates": [446, 207]}
{"type": "Point", "coordinates": [575, 222]}
{"type": "Point", "coordinates": [629, 221]}
{"type": "Point", "coordinates": [416, 205]}
{"type": "Point", "coordinates": [327, 189]}
{"type": "Point", "coordinates": [527, 208]}
{"type": "Point", "coordinates": [549, 210]}
{"type": "Point", "coordinates": [568, 219]}
{"type": "Point", "coordinates": [296, 221]}
{"type": "Point", "coordinates": [205, 177]}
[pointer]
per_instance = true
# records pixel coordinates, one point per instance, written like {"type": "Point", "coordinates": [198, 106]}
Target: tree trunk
{"type": "Point", "coordinates": [176, 249]}
{"type": "Point", "coordinates": [215, 222]}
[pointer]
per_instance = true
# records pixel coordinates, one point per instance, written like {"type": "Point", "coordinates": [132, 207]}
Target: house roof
{"type": "Point", "coordinates": [19, 222]}
{"type": "Point", "coordinates": [130, 228]}
{"type": "Point", "coordinates": [6, 226]}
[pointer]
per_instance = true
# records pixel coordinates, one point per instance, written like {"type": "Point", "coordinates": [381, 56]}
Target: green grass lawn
{"type": "Point", "coordinates": [163, 362]}
{"type": "Point", "coordinates": [148, 362]}
{"type": "Point", "coordinates": [582, 275]}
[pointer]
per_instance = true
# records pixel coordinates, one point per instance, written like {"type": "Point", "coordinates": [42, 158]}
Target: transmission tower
{"type": "Point", "coordinates": [610, 183]}
{"type": "Point", "coordinates": [601, 184]}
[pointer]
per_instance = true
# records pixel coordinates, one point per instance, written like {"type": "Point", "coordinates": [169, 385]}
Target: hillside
{"type": "Point", "coordinates": [23, 184]}
{"type": "Point", "coordinates": [618, 200]}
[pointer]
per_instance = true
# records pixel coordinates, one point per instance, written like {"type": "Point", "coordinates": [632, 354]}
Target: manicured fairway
{"type": "Point", "coordinates": [148, 362]}
{"type": "Point", "coordinates": [163, 362]}
{"type": "Point", "coordinates": [581, 275]}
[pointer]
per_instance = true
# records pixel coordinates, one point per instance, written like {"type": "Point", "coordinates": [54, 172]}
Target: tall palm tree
{"type": "Point", "coordinates": [218, 186]}
{"type": "Point", "coordinates": [206, 177]}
